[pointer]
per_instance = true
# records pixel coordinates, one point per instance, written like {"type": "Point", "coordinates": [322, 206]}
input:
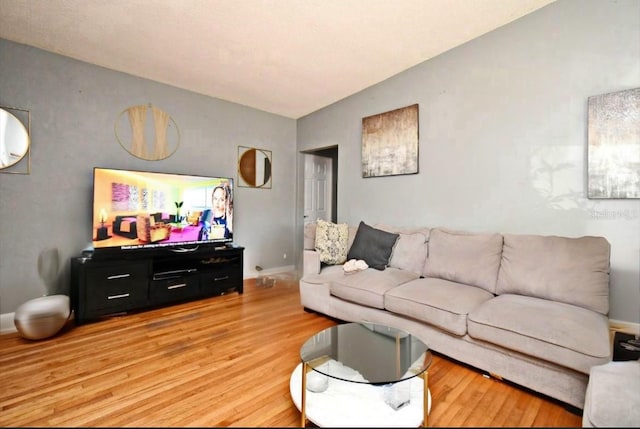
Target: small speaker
{"type": "Point", "coordinates": [623, 349]}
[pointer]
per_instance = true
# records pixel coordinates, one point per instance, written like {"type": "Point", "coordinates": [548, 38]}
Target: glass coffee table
{"type": "Point", "coordinates": [362, 374]}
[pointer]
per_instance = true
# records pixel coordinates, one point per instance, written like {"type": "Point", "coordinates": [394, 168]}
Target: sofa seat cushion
{"type": "Point", "coordinates": [568, 335]}
{"type": "Point", "coordinates": [439, 302]}
{"type": "Point", "coordinates": [326, 275]}
{"type": "Point", "coordinates": [368, 287]}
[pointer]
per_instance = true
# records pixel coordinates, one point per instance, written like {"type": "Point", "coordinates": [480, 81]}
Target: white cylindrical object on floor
{"type": "Point", "coordinates": [42, 317]}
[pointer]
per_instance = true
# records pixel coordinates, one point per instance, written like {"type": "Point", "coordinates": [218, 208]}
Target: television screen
{"type": "Point", "coordinates": [145, 210]}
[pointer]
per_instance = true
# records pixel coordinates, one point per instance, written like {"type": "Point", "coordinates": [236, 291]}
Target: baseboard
{"type": "Point", "coordinates": [622, 326]}
{"type": "Point", "coordinates": [269, 271]}
{"type": "Point", "coordinates": [6, 323]}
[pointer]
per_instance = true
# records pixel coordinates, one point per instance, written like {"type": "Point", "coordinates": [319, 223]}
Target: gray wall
{"type": "Point", "coordinates": [503, 132]}
{"type": "Point", "coordinates": [74, 107]}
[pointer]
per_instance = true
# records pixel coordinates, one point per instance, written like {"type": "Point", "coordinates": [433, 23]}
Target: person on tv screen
{"type": "Point", "coordinates": [218, 222]}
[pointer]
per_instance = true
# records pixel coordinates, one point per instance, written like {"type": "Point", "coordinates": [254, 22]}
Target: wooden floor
{"type": "Point", "coordinates": [223, 361]}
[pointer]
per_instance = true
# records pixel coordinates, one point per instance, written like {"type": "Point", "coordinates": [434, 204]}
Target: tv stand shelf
{"type": "Point", "coordinates": [104, 287]}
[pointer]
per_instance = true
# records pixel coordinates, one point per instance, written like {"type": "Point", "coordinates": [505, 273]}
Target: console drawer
{"type": "Point", "coordinates": [219, 281]}
{"type": "Point", "coordinates": [116, 288]}
{"type": "Point", "coordinates": [173, 289]}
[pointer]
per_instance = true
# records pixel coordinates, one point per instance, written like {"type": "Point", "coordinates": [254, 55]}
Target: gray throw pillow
{"type": "Point", "coordinates": [372, 245]}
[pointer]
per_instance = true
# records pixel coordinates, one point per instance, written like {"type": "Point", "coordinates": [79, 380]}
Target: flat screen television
{"type": "Point", "coordinates": [142, 210]}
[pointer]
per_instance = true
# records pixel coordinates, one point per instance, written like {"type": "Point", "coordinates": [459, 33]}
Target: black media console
{"type": "Point", "coordinates": [104, 287]}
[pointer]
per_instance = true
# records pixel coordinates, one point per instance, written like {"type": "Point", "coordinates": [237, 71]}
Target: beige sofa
{"type": "Point", "coordinates": [530, 309]}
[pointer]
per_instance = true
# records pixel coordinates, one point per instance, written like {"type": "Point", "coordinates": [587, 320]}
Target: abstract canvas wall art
{"type": "Point", "coordinates": [390, 143]}
{"type": "Point", "coordinates": [614, 145]}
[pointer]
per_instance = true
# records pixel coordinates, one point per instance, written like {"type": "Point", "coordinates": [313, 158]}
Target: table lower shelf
{"type": "Point", "coordinates": [347, 404]}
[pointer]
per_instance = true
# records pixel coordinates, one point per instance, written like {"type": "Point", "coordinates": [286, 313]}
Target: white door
{"type": "Point", "coordinates": [317, 188]}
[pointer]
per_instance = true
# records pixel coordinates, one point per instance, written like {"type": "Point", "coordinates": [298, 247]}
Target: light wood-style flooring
{"type": "Point", "coordinates": [222, 361]}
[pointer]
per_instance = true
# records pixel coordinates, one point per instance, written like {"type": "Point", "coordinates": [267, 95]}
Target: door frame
{"type": "Point", "coordinates": [333, 153]}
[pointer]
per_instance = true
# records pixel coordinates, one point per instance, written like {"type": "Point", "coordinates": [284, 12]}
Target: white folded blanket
{"type": "Point", "coordinates": [354, 265]}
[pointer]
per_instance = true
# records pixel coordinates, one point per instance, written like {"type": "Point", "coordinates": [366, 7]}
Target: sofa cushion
{"type": "Point", "coordinates": [373, 246]}
{"type": "Point", "coordinates": [310, 235]}
{"type": "Point", "coordinates": [469, 258]}
{"type": "Point", "coordinates": [613, 397]}
{"type": "Point", "coordinates": [570, 270]}
{"type": "Point", "coordinates": [325, 275]}
{"type": "Point", "coordinates": [368, 287]}
{"type": "Point", "coordinates": [561, 333]}
{"type": "Point", "coordinates": [409, 253]}
{"type": "Point", "coordinates": [332, 241]}
{"type": "Point", "coordinates": [439, 302]}
{"type": "Point", "coordinates": [401, 230]}
{"type": "Point", "coordinates": [410, 250]}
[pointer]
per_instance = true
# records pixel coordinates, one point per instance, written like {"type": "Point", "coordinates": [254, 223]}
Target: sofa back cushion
{"type": "Point", "coordinates": [310, 235]}
{"type": "Point", "coordinates": [410, 251]}
{"type": "Point", "coordinates": [463, 257]}
{"type": "Point", "coordinates": [570, 270]}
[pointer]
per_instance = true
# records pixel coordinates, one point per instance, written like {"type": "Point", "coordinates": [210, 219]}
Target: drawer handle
{"type": "Point", "coordinates": [123, 295]}
{"type": "Point", "coordinates": [217, 279]}
{"type": "Point", "coordinates": [177, 286]}
{"type": "Point", "coordinates": [118, 276]}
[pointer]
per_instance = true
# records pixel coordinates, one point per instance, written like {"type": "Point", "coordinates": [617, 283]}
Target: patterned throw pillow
{"type": "Point", "coordinates": [331, 242]}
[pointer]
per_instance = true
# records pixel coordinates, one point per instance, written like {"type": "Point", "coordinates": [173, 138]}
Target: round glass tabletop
{"type": "Point", "coordinates": [366, 353]}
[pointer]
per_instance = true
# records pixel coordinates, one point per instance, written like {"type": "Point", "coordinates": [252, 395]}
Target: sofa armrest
{"type": "Point", "coordinates": [310, 262]}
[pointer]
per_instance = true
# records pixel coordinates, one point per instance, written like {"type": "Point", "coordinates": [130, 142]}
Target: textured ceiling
{"type": "Point", "coordinates": [288, 57]}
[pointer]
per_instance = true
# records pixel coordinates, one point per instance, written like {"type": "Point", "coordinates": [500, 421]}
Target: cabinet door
{"type": "Point", "coordinates": [117, 287]}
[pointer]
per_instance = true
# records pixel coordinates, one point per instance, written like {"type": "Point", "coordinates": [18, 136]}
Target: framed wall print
{"type": "Point", "coordinates": [254, 167]}
{"type": "Point", "coordinates": [390, 143]}
{"type": "Point", "coordinates": [147, 132]}
{"type": "Point", "coordinates": [614, 145]}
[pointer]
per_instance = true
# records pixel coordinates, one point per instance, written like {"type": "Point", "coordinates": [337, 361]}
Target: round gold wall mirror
{"type": "Point", "coordinates": [14, 139]}
{"type": "Point", "coordinates": [147, 132]}
{"type": "Point", "coordinates": [254, 167]}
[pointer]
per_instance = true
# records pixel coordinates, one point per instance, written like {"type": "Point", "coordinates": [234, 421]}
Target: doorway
{"type": "Point", "coordinates": [321, 185]}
